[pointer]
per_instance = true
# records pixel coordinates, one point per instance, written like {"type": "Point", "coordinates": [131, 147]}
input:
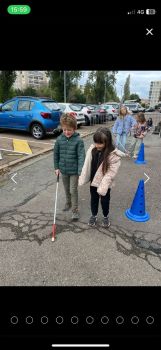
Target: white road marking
{"type": "Point", "coordinates": [10, 150]}
{"type": "Point", "coordinates": [11, 138]}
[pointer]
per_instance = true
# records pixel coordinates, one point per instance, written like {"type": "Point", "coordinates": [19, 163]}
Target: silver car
{"type": "Point", "coordinates": [89, 114]}
{"type": "Point", "coordinates": [112, 113]}
{"type": "Point", "coordinates": [75, 110]}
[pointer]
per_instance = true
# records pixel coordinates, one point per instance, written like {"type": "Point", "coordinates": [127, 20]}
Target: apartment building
{"type": "Point", "coordinates": [154, 93]}
{"type": "Point", "coordinates": [35, 79]}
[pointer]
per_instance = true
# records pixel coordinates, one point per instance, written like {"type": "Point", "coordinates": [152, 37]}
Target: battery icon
{"type": "Point", "coordinates": [150, 11]}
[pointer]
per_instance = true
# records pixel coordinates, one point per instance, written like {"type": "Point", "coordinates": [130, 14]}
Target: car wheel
{"type": "Point", "coordinates": [110, 117]}
{"type": "Point", "coordinates": [37, 131]}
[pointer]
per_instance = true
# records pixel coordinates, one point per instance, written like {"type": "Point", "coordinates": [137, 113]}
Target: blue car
{"type": "Point", "coordinates": [33, 114]}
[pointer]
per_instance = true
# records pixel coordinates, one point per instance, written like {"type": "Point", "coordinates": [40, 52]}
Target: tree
{"type": "Point", "coordinates": [28, 91]}
{"type": "Point", "coordinates": [102, 83]}
{"type": "Point", "coordinates": [89, 92]}
{"type": "Point", "coordinates": [44, 91]}
{"type": "Point", "coordinates": [7, 78]}
{"type": "Point", "coordinates": [135, 97]}
{"type": "Point", "coordinates": [76, 95]}
{"type": "Point", "coordinates": [127, 89]}
{"type": "Point", "coordinates": [57, 83]}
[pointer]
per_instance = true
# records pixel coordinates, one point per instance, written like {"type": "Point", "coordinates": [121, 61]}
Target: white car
{"type": "Point", "coordinates": [90, 114]}
{"type": "Point", "coordinates": [134, 107]}
{"type": "Point", "coordinates": [75, 110]}
{"type": "Point", "coordinates": [115, 105]}
{"type": "Point", "coordinates": [112, 113]}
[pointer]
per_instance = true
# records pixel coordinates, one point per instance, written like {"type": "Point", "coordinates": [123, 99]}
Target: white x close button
{"type": "Point", "coordinates": [149, 31]}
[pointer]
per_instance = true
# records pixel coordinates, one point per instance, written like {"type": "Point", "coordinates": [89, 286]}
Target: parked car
{"type": "Point", "coordinates": [150, 109]}
{"type": "Point", "coordinates": [89, 114]}
{"type": "Point", "coordinates": [101, 114]}
{"type": "Point", "coordinates": [134, 107]}
{"type": "Point", "coordinates": [75, 110]}
{"type": "Point", "coordinates": [115, 105]}
{"type": "Point", "coordinates": [33, 114]}
{"type": "Point", "coordinates": [111, 112]}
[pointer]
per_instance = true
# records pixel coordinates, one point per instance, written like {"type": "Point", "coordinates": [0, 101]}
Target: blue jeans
{"type": "Point", "coordinates": [121, 141]}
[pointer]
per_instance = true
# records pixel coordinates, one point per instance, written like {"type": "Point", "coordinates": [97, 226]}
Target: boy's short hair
{"type": "Point", "coordinates": [68, 120]}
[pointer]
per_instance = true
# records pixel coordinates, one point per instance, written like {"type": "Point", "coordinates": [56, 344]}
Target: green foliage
{"type": "Point", "coordinates": [135, 97]}
{"type": "Point", "coordinates": [127, 89]}
{"type": "Point", "coordinates": [7, 78]}
{"type": "Point", "coordinates": [57, 83]}
{"type": "Point", "coordinates": [100, 87]}
{"type": "Point", "coordinates": [76, 95]}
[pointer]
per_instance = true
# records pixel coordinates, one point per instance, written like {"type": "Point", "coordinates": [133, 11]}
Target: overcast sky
{"type": "Point", "coordinates": [139, 81]}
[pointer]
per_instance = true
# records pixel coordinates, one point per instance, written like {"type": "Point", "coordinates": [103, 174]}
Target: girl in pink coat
{"type": "Point", "coordinates": [100, 168]}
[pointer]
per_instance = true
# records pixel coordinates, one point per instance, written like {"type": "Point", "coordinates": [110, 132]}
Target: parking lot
{"type": "Point", "coordinates": [129, 253]}
{"type": "Point", "coordinates": [38, 147]}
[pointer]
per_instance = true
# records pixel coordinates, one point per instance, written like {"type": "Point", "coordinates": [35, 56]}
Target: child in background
{"type": "Point", "coordinates": [139, 132]}
{"type": "Point", "coordinates": [149, 123]}
{"type": "Point", "coordinates": [122, 126]}
{"type": "Point", "coordinates": [69, 155]}
{"type": "Point", "coordinates": [100, 168]}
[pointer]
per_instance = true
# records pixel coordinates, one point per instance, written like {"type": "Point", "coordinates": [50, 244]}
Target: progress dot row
{"type": "Point", "coordinates": [89, 320]}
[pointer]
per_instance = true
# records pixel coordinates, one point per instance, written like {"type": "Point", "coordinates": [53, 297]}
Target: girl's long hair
{"type": "Point", "coordinates": [104, 136]}
{"type": "Point", "coordinates": [121, 116]}
{"type": "Point", "coordinates": [141, 117]}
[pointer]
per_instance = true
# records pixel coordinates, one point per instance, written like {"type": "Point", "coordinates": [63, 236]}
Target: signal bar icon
{"type": "Point", "coordinates": [131, 12]}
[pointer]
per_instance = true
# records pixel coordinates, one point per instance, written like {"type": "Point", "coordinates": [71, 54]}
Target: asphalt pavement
{"type": "Point", "coordinates": [128, 253]}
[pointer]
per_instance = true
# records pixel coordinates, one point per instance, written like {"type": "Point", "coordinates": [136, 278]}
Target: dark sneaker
{"type": "Point", "coordinates": [92, 221]}
{"type": "Point", "coordinates": [75, 215]}
{"type": "Point", "coordinates": [67, 206]}
{"type": "Point", "coordinates": [106, 223]}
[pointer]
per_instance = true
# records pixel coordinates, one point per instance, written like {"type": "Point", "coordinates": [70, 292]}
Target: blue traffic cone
{"type": "Point", "coordinates": [140, 158]}
{"type": "Point", "coordinates": [137, 210]}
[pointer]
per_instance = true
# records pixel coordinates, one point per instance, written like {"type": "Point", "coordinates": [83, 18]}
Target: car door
{"type": "Point", "coordinates": [23, 114]}
{"type": "Point", "coordinates": [6, 114]}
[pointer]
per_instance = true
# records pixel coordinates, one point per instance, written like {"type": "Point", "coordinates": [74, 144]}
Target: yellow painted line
{"type": "Point", "coordinates": [21, 146]}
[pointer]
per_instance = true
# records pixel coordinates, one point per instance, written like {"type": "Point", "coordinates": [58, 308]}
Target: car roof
{"type": "Point", "coordinates": [37, 98]}
{"type": "Point", "coordinates": [31, 97]}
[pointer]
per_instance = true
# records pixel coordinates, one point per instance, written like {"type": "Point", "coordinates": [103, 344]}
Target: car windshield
{"type": "Point", "coordinates": [75, 107]}
{"type": "Point", "coordinates": [51, 105]}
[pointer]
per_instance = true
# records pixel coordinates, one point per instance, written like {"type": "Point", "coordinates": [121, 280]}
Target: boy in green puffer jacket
{"type": "Point", "coordinates": [69, 156]}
